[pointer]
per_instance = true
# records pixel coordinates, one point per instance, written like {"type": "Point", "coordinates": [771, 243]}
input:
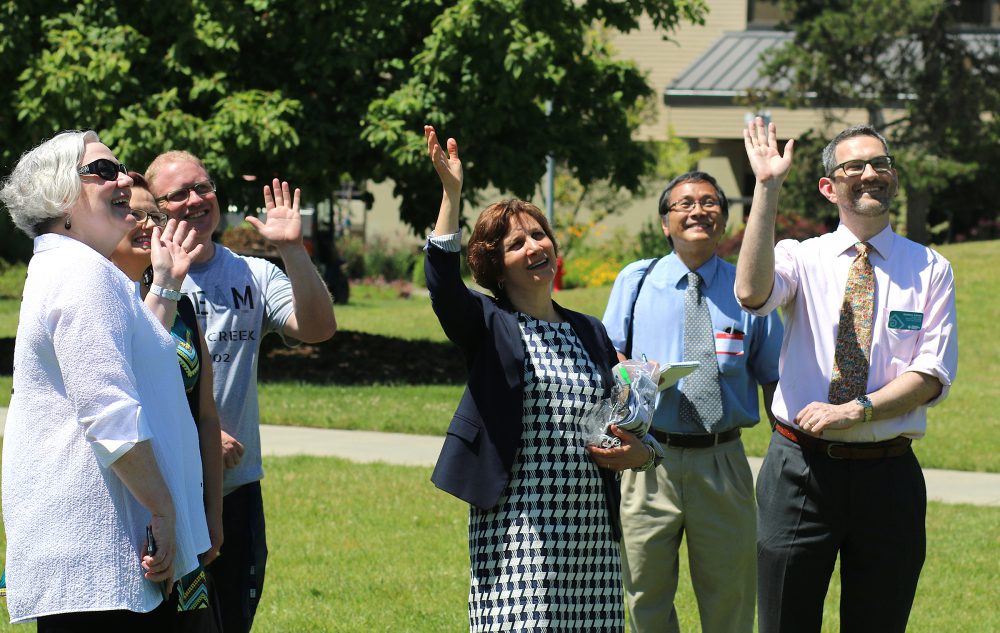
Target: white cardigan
{"type": "Point", "coordinates": [94, 373]}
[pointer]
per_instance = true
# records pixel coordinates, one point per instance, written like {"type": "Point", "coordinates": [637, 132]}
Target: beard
{"type": "Point", "coordinates": [868, 208]}
{"type": "Point", "coordinates": [872, 204]}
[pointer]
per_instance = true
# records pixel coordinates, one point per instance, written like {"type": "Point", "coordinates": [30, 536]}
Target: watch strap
{"type": "Point", "coordinates": [166, 293]}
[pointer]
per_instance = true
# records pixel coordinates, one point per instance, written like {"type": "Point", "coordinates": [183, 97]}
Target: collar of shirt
{"type": "Point", "coordinates": [675, 271]}
{"type": "Point", "coordinates": [882, 242]}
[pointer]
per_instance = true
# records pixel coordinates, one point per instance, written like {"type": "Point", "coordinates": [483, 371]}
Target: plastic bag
{"type": "Point", "coordinates": [633, 399]}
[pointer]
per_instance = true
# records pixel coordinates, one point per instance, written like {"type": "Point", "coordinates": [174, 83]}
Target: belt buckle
{"type": "Point", "coordinates": [829, 447]}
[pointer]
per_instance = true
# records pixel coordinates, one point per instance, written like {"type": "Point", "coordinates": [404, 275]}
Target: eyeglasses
{"type": "Point", "coordinates": [202, 188]}
{"type": "Point", "coordinates": [158, 218]}
{"type": "Point", "coordinates": [687, 205]}
{"type": "Point", "coordinates": [104, 168]}
{"type": "Point", "coordinates": [881, 164]}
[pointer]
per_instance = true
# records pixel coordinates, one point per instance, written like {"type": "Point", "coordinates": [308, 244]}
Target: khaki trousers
{"type": "Point", "coordinates": [707, 496]}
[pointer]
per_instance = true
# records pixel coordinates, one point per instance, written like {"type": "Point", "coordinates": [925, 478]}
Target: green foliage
{"type": "Point", "coordinates": [316, 91]}
{"type": "Point", "coordinates": [597, 262]}
{"type": "Point", "coordinates": [12, 279]}
{"type": "Point", "coordinates": [378, 257]}
{"type": "Point", "coordinates": [603, 198]}
{"type": "Point", "coordinates": [483, 76]}
{"type": "Point", "coordinates": [947, 86]}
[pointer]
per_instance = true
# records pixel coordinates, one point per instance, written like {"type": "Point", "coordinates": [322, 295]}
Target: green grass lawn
{"type": "Point", "coordinates": [963, 433]}
{"type": "Point", "coordinates": [378, 548]}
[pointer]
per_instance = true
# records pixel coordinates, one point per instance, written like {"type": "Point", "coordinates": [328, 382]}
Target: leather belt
{"type": "Point", "coordinates": [847, 450]}
{"type": "Point", "coordinates": [694, 440]}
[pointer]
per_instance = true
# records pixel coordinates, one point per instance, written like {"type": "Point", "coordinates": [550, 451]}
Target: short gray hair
{"type": "Point", "coordinates": [45, 181]}
{"type": "Point", "coordinates": [830, 151]}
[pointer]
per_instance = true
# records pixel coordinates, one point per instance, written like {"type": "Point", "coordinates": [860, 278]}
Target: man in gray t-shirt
{"type": "Point", "coordinates": [238, 300]}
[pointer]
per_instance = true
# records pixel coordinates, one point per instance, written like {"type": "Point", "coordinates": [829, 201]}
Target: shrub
{"type": "Point", "coordinates": [378, 258]}
{"type": "Point", "coordinates": [12, 278]}
{"type": "Point", "coordinates": [598, 262]}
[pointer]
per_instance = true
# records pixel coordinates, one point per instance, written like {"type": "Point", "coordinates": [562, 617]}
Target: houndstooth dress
{"type": "Point", "coordinates": [543, 558]}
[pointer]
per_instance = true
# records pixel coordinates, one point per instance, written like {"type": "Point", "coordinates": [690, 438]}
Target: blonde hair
{"type": "Point", "coordinates": [168, 158]}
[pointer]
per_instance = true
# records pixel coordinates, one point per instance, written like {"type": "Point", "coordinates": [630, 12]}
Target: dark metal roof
{"type": "Point", "coordinates": [725, 70]}
{"type": "Point", "coordinates": [731, 66]}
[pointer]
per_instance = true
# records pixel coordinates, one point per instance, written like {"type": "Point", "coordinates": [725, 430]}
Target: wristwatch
{"type": "Point", "coordinates": [166, 293]}
{"type": "Point", "coordinates": [866, 402]}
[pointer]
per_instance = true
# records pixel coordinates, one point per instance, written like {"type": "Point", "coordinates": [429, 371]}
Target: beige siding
{"type": "Point", "coordinates": [728, 122]}
{"type": "Point", "coordinates": [664, 60]}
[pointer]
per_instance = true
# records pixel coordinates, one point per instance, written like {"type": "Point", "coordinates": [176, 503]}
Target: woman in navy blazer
{"type": "Point", "coordinates": [512, 253]}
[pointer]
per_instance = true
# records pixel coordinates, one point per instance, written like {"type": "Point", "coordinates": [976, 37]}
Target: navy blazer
{"type": "Point", "coordinates": [485, 432]}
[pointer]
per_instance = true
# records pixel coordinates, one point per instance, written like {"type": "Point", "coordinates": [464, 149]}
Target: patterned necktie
{"type": "Point", "coordinates": [854, 335]}
{"type": "Point", "coordinates": [701, 400]}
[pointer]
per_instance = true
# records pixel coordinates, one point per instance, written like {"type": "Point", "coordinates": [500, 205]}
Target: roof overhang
{"type": "Point", "coordinates": [731, 67]}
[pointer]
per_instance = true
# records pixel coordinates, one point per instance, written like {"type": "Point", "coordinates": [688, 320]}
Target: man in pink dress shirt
{"type": "Point", "coordinates": [842, 478]}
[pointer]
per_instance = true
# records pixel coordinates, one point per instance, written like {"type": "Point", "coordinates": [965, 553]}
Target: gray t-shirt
{"type": "Point", "coordinates": [238, 300]}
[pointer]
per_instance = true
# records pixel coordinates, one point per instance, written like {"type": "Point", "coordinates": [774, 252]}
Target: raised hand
{"type": "Point", "coordinates": [172, 249]}
{"type": "Point", "coordinates": [761, 142]}
{"type": "Point", "coordinates": [447, 164]}
{"type": "Point", "coordinates": [283, 226]}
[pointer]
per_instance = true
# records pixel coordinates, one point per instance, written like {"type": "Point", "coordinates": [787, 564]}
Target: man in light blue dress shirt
{"type": "Point", "coordinates": [704, 488]}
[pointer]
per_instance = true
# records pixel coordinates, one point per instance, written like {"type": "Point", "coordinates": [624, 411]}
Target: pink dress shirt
{"type": "Point", "coordinates": [809, 281]}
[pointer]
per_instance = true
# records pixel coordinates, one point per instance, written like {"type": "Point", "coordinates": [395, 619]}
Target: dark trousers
{"type": "Point", "coordinates": [156, 621]}
{"type": "Point", "coordinates": [237, 575]}
{"type": "Point", "coordinates": [812, 507]}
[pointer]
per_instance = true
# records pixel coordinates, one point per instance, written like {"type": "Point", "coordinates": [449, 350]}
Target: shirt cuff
{"type": "Point", "coordinates": [930, 365]}
{"type": "Point", "coordinates": [450, 243]}
{"type": "Point", "coordinates": [117, 441]}
{"type": "Point", "coordinates": [773, 300]}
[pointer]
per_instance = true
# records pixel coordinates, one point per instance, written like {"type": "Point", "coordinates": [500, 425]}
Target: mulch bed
{"type": "Point", "coordinates": [349, 358]}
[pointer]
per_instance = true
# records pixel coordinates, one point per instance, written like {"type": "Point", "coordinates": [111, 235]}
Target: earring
{"type": "Point", "coordinates": [500, 284]}
{"type": "Point", "coordinates": [67, 224]}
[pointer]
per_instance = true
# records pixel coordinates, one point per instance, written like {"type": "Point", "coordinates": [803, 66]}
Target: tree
{"type": "Point", "coordinates": [906, 55]}
{"type": "Point", "coordinates": [321, 91]}
{"type": "Point", "coordinates": [601, 198]}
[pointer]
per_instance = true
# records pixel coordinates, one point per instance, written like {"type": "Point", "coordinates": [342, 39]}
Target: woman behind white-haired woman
{"type": "Point", "coordinates": [99, 443]}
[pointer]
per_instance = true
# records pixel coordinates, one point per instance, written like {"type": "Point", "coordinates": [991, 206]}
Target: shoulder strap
{"type": "Point", "coordinates": [631, 314]}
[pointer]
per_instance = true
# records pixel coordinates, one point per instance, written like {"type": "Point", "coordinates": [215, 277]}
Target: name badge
{"type": "Point", "coordinates": [729, 343]}
{"type": "Point", "coordinates": [899, 320]}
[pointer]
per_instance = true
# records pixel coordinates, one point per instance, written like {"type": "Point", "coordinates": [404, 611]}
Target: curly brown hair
{"type": "Point", "coordinates": [486, 243]}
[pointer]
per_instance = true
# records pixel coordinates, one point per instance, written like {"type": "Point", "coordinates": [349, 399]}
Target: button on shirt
{"type": "Point", "coordinates": [913, 323]}
{"type": "Point", "coordinates": [659, 334]}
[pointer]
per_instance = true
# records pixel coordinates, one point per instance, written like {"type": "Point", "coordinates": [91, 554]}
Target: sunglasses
{"type": "Point", "coordinates": [202, 188]}
{"type": "Point", "coordinates": [881, 165]}
{"type": "Point", "coordinates": [104, 168]}
{"type": "Point", "coordinates": [158, 218]}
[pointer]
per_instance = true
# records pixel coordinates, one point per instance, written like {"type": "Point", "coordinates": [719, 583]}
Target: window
{"type": "Point", "coordinates": [763, 13]}
{"type": "Point", "coordinates": [976, 13]}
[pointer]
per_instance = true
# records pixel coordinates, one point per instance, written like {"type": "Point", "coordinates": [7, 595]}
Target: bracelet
{"type": "Point", "coordinates": [649, 462]}
{"type": "Point", "coordinates": [166, 293]}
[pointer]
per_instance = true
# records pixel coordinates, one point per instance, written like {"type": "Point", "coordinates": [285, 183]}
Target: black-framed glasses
{"type": "Point", "coordinates": [103, 168]}
{"type": "Point", "coordinates": [202, 188]}
{"type": "Point", "coordinates": [158, 218]}
{"type": "Point", "coordinates": [856, 167]}
{"type": "Point", "coordinates": [687, 205]}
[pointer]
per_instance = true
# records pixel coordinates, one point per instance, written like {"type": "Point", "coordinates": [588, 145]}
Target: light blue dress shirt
{"type": "Point", "coordinates": [659, 334]}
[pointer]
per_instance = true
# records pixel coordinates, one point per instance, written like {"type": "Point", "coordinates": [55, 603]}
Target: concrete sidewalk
{"type": "Point", "coordinates": [949, 486]}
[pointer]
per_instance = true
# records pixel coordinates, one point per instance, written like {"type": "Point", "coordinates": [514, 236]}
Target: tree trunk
{"type": "Point", "coordinates": [917, 204]}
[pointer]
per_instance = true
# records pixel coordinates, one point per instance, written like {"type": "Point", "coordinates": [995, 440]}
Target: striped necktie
{"type": "Point", "coordinates": [701, 399]}
{"type": "Point", "coordinates": [854, 334]}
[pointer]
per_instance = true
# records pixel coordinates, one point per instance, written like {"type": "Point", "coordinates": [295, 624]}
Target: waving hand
{"type": "Point", "coordinates": [761, 143]}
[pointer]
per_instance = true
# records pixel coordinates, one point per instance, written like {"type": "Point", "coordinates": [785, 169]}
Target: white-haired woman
{"type": "Point", "coordinates": [95, 453]}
